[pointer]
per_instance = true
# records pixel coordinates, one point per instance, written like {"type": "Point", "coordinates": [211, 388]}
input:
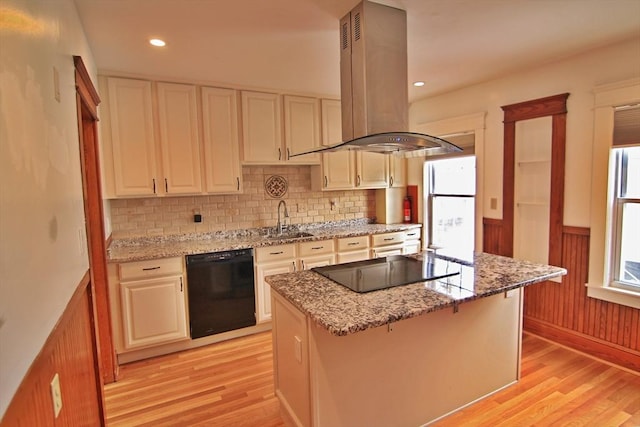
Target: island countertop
{"type": "Point", "coordinates": [342, 311]}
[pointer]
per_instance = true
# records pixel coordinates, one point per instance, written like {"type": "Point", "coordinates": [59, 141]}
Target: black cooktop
{"type": "Point", "coordinates": [387, 272]}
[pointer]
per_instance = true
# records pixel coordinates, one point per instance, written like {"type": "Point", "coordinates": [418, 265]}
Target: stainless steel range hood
{"type": "Point", "coordinates": [374, 85]}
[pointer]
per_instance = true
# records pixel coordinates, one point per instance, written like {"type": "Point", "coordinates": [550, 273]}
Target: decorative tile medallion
{"type": "Point", "coordinates": [276, 186]}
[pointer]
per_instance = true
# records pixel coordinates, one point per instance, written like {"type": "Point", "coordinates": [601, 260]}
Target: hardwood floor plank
{"type": "Point", "coordinates": [231, 384]}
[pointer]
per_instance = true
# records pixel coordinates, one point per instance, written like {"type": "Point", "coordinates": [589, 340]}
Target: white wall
{"type": "Point", "coordinates": [577, 75]}
{"type": "Point", "coordinates": [43, 252]}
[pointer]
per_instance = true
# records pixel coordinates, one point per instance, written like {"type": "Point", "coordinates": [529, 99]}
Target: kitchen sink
{"type": "Point", "coordinates": [294, 235]}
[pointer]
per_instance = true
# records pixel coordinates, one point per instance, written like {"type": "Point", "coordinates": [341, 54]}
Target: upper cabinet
{"type": "Point", "coordinates": [160, 139]}
{"type": "Point", "coordinates": [179, 140]}
{"type": "Point", "coordinates": [301, 128]}
{"type": "Point", "coordinates": [223, 173]}
{"type": "Point", "coordinates": [397, 171]}
{"type": "Point", "coordinates": [133, 165]}
{"type": "Point", "coordinates": [346, 170]}
{"type": "Point", "coordinates": [262, 127]}
{"type": "Point", "coordinates": [263, 122]}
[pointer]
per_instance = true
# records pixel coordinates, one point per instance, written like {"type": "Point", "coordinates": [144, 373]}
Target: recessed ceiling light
{"type": "Point", "coordinates": [157, 42]}
{"type": "Point", "coordinates": [418, 84]}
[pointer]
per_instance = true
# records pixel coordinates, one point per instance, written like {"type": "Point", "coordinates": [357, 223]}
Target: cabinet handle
{"type": "Point", "coordinates": [181, 284]}
{"type": "Point", "coordinates": [317, 248]}
{"type": "Point", "coordinates": [154, 185]}
{"type": "Point", "coordinates": [390, 181]}
{"type": "Point", "coordinates": [288, 154]}
{"type": "Point", "coordinates": [294, 265]}
{"type": "Point", "coordinates": [411, 234]}
{"type": "Point", "coordinates": [302, 261]}
{"type": "Point", "coordinates": [238, 181]}
{"type": "Point", "coordinates": [276, 253]}
{"type": "Point", "coordinates": [358, 181]}
{"type": "Point", "coordinates": [150, 268]}
{"type": "Point", "coordinates": [166, 185]}
{"type": "Point", "coordinates": [353, 244]}
{"type": "Point", "coordinates": [388, 239]}
{"type": "Point", "coordinates": [279, 154]}
{"type": "Point", "coordinates": [326, 181]}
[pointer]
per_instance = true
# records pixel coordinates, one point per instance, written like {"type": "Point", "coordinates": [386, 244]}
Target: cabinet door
{"type": "Point", "coordinates": [132, 138]}
{"type": "Point", "coordinates": [179, 141]}
{"type": "Point", "coordinates": [310, 262]}
{"type": "Point", "coordinates": [339, 170]}
{"type": "Point", "coordinates": [301, 128]}
{"type": "Point", "coordinates": [397, 171]}
{"type": "Point", "coordinates": [264, 290]}
{"type": "Point", "coordinates": [153, 311]}
{"type": "Point", "coordinates": [372, 170]}
{"type": "Point", "coordinates": [223, 173]}
{"type": "Point", "coordinates": [262, 127]}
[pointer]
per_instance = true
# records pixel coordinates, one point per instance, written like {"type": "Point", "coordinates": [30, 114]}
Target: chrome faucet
{"type": "Point", "coordinates": [279, 226]}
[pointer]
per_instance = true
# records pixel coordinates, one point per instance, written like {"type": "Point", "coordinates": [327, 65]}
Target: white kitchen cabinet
{"type": "Point", "coordinates": [179, 139]}
{"type": "Point", "coordinates": [301, 128]}
{"type": "Point", "coordinates": [387, 244]}
{"type": "Point", "coordinates": [397, 171]}
{"type": "Point", "coordinates": [152, 307]}
{"type": "Point", "coordinates": [412, 244]}
{"type": "Point", "coordinates": [271, 260]}
{"type": "Point", "coordinates": [315, 254]}
{"type": "Point", "coordinates": [372, 170]}
{"type": "Point", "coordinates": [132, 153]}
{"type": "Point", "coordinates": [223, 173]}
{"type": "Point", "coordinates": [346, 170]}
{"type": "Point", "coordinates": [262, 127]}
{"type": "Point", "coordinates": [351, 249]}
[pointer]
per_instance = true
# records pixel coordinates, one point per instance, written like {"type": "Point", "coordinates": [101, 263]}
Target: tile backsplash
{"type": "Point", "coordinates": [254, 208]}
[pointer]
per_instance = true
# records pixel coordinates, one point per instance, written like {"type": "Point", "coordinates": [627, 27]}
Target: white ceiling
{"type": "Point", "coordinates": [292, 45]}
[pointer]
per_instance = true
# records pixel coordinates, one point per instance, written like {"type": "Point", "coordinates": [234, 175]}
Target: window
{"type": "Point", "coordinates": [616, 127]}
{"type": "Point", "coordinates": [625, 252]}
{"type": "Point", "coordinates": [451, 185]}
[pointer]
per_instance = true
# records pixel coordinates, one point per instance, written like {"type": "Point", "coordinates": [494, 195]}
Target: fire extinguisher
{"type": "Point", "coordinates": [406, 208]}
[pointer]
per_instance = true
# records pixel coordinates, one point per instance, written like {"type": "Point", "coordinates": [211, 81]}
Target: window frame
{"type": "Point", "coordinates": [607, 98]}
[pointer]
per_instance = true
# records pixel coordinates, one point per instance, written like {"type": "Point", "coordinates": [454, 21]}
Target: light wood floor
{"type": "Point", "coordinates": [231, 384]}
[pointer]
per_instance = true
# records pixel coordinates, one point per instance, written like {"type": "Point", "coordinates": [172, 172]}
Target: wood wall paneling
{"type": "Point", "coordinates": [565, 314]}
{"type": "Point", "coordinates": [69, 351]}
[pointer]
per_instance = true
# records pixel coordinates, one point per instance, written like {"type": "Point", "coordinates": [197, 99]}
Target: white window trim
{"type": "Point", "coordinates": [462, 124]}
{"type": "Point", "coordinates": [606, 98]}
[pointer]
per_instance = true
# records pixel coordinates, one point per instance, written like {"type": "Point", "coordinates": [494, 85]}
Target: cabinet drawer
{"type": "Point", "coordinates": [150, 268]}
{"type": "Point", "coordinates": [275, 253]}
{"type": "Point", "coordinates": [315, 248]}
{"type": "Point", "coordinates": [353, 243]}
{"type": "Point", "coordinates": [387, 239]}
{"type": "Point", "coordinates": [412, 234]}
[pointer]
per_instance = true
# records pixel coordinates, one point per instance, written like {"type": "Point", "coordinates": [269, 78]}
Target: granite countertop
{"type": "Point", "coordinates": [144, 248]}
{"type": "Point", "coordinates": [342, 311]}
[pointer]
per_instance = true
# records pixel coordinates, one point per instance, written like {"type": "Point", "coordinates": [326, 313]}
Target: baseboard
{"type": "Point", "coordinates": [600, 349]}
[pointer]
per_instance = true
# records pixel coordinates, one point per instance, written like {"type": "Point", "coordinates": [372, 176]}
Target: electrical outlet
{"type": "Point", "coordinates": [494, 203]}
{"type": "Point", "coordinates": [56, 395]}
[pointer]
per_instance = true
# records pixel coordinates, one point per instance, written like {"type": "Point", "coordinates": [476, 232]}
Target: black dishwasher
{"type": "Point", "coordinates": [221, 292]}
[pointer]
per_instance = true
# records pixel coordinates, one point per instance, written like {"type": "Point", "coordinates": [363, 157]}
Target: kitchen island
{"type": "Point", "coordinates": [402, 356]}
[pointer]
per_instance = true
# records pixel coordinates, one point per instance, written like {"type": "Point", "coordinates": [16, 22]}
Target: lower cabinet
{"type": "Point", "coordinates": [387, 244]}
{"type": "Point", "coordinates": [351, 249]}
{"type": "Point", "coordinates": [269, 261]}
{"type": "Point", "coordinates": [152, 303]}
{"type": "Point", "coordinates": [264, 290]}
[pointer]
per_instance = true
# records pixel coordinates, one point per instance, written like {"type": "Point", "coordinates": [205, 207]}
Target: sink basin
{"type": "Point", "coordinates": [296, 235]}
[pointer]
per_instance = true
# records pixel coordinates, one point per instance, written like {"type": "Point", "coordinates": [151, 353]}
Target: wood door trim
{"type": "Point", "coordinates": [87, 99]}
{"type": "Point", "coordinates": [555, 106]}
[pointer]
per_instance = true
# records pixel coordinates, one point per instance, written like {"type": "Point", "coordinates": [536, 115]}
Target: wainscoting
{"type": "Point", "coordinates": [564, 313]}
{"type": "Point", "coordinates": [69, 351]}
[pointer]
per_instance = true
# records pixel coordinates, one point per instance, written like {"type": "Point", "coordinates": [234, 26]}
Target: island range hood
{"type": "Point", "coordinates": [374, 86]}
